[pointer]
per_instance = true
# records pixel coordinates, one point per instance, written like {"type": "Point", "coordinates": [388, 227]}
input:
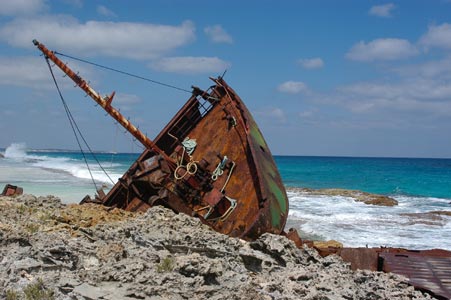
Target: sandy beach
{"type": "Point", "coordinates": [60, 251]}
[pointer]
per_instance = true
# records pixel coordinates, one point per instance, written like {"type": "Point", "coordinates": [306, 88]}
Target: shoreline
{"type": "Point", "coordinates": [359, 219]}
{"type": "Point", "coordinates": [92, 251]}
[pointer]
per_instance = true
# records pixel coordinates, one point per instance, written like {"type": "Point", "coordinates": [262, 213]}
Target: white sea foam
{"type": "Point", "coordinates": [358, 225]}
{"type": "Point", "coordinates": [42, 168]}
{"type": "Point", "coordinates": [64, 175]}
{"type": "Point", "coordinates": [16, 151]}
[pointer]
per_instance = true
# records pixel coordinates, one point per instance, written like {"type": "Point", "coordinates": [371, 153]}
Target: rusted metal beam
{"type": "Point", "coordinates": [104, 102]}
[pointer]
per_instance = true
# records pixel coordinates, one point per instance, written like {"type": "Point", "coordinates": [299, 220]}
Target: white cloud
{"type": "Point", "coordinates": [437, 36]}
{"type": "Point", "coordinates": [105, 11]}
{"type": "Point", "coordinates": [311, 63]}
{"type": "Point", "coordinates": [190, 65]}
{"type": "Point", "coordinates": [418, 94]}
{"type": "Point", "coordinates": [423, 96]}
{"type": "Point", "coordinates": [306, 113]}
{"type": "Point", "coordinates": [277, 113]}
{"type": "Point", "coordinates": [21, 7]}
{"type": "Point", "coordinates": [272, 113]}
{"type": "Point", "coordinates": [118, 39]}
{"type": "Point", "coordinates": [382, 49]}
{"type": "Point", "coordinates": [33, 72]}
{"type": "Point", "coordinates": [24, 72]}
{"type": "Point", "coordinates": [439, 69]}
{"type": "Point", "coordinates": [126, 101]}
{"type": "Point", "coordinates": [292, 87]}
{"type": "Point", "coordinates": [384, 10]}
{"type": "Point", "coordinates": [217, 34]}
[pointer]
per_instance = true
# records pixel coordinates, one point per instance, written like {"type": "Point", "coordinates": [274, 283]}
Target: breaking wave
{"type": "Point", "coordinates": [51, 161]}
{"type": "Point", "coordinates": [16, 151]}
{"type": "Point", "coordinates": [409, 224]}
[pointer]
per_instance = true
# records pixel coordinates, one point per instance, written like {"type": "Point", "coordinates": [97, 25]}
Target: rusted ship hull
{"type": "Point", "coordinates": [223, 127]}
{"type": "Point", "coordinates": [211, 161]}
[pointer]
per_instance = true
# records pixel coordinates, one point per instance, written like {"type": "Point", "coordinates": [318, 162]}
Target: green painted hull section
{"type": "Point", "coordinates": [273, 197]}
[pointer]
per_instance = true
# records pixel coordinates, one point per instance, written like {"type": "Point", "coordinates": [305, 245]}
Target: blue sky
{"type": "Point", "coordinates": [338, 78]}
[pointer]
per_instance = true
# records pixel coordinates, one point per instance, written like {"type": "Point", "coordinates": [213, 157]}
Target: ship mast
{"type": "Point", "coordinates": [104, 102]}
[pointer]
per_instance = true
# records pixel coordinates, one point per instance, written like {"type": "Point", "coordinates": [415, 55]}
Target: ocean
{"type": "Point", "coordinates": [420, 186]}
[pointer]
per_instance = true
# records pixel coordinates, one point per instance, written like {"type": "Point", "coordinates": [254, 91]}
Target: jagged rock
{"type": "Point", "coordinates": [92, 252]}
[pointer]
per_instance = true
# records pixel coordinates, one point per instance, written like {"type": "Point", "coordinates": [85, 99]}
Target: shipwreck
{"type": "Point", "coordinates": [212, 162]}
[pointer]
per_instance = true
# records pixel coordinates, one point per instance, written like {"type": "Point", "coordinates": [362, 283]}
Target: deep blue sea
{"type": "Point", "coordinates": [419, 185]}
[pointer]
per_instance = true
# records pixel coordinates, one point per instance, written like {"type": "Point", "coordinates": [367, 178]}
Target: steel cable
{"type": "Point", "coordinates": [124, 73]}
{"type": "Point", "coordinates": [75, 128]}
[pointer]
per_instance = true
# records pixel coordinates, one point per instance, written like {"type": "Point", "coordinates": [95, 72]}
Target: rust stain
{"type": "Point", "coordinates": [427, 272]}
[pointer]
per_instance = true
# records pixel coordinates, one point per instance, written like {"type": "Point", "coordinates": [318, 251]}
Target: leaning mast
{"type": "Point", "coordinates": [104, 102]}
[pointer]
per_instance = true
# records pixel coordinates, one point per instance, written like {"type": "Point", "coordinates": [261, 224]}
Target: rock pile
{"type": "Point", "coordinates": [89, 252]}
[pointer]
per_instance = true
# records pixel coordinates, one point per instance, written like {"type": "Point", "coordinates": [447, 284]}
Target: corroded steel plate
{"type": "Point", "coordinates": [426, 272]}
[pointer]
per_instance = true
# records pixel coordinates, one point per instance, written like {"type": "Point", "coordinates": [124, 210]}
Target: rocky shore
{"type": "Point", "coordinates": [358, 196]}
{"type": "Point", "coordinates": [53, 251]}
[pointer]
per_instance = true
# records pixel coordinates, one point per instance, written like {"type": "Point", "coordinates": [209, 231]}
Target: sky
{"type": "Point", "coordinates": [322, 78]}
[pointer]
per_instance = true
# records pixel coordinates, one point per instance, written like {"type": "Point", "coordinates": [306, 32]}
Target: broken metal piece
{"type": "Point", "coordinates": [12, 190]}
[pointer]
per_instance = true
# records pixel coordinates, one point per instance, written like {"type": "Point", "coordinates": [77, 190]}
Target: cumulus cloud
{"type": "Point", "coordinates": [273, 113]}
{"type": "Point", "coordinates": [21, 7]}
{"type": "Point", "coordinates": [382, 49]}
{"type": "Point", "coordinates": [217, 34]}
{"type": "Point", "coordinates": [105, 11]}
{"type": "Point", "coordinates": [117, 39]}
{"type": "Point", "coordinates": [418, 95]}
{"type": "Point", "coordinates": [32, 72]}
{"type": "Point", "coordinates": [292, 87]}
{"type": "Point", "coordinates": [437, 36]}
{"type": "Point", "coordinates": [24, 72]}
{"type": "Point", "coordinates": [415, 93]}
{"type": "Point", "coordinates": [438, 69]}
{"type": "Point", "coordinates": [384, 10]}
{"type": "Point", "coordinates": [311, 63]}
{"type": "Point", "coordinates": [190, 65]}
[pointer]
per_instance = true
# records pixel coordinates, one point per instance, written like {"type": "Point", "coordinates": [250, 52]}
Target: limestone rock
{"type": "Point", "coordinates": [92, 252]}
{"type": "Point", "coordinates": [359, 196]}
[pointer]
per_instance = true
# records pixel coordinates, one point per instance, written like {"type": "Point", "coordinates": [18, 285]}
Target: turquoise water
{"type": "Point", "coordinates": [389, 176]}
{"type": "Point", "coordinates": [420, 186]}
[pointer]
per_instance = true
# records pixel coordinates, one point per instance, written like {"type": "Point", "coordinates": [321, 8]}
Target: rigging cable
{"type": "Point", "coordinates": [74, 126]}
{"type": "Point", "coordinates": [125, 73]}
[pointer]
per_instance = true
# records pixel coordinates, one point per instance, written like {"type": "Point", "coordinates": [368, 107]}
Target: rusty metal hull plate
{"type": "Point", "coordinates": [273, 211]}
{"type": "Point", "coordinates": [223, 127]}
{"type": "Point", "coordinates": [425, 272]}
